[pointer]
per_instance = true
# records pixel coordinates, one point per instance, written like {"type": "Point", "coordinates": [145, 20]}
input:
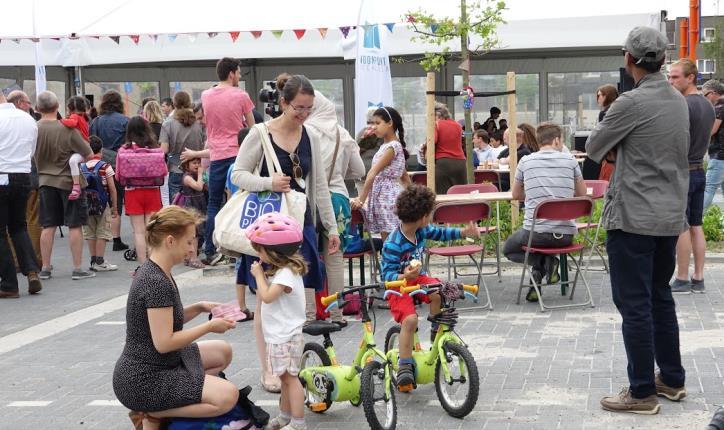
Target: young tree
{"type": "Point", "coordinates": [714, 49]}
{"type": "Point", "coordinates": [475, 19]}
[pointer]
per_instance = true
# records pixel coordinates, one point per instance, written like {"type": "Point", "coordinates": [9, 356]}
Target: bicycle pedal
{"type": "Point", "coordinates": [406, 388]}
{"type": "Point", "coordinates": [318, 407]}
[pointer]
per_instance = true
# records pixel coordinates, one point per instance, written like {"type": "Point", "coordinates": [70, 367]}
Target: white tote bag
{"type": "Point", "coordinates": [245, 207]}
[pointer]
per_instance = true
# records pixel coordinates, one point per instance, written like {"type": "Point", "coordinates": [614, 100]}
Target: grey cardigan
{"type": "Point", "coordinates": [250, 157]}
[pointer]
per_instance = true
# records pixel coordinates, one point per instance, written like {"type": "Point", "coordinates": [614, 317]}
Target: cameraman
{"type": "Point", "coordinates": [227, 109]}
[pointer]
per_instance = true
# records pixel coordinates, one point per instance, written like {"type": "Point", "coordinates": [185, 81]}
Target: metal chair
{"type": "Point", "coordinates": [482, 176]}
{"type": "Point", "coordinates": [418, 178]}
{"type": "Point", "coordinates": [458, 214]}
{"type": "Point", "coordinates": [559, 210]}
{"type": "Point", "coordinates": [482, 188]}
{"type": "Point", "coordinates": [357, 221]}
{"type": "Point", "coordinates": [597, 191]}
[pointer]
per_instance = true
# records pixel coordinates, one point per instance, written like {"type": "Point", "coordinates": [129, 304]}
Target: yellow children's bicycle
{"type": "Point", "coordinates": [448, 363]}
{"type": "Point", "coordinates": [368, 380]}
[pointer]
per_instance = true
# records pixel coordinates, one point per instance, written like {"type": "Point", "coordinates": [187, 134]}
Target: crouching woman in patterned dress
{"type": "Point", "coordinates": [162, 371]}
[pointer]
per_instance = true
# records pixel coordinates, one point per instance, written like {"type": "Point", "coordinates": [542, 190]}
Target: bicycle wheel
{"type": "Point", "coordinates": [380, 410]}
{"type": "Point", "coordinates": [458, 398]}
{"type": "Point", "coordinates": [392, 338]}
{"type": "Point", "coordinates": [315, 355]}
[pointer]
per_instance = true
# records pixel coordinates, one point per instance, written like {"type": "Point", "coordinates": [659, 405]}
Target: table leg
{"type": "Point", "coordinates": [564, 272]}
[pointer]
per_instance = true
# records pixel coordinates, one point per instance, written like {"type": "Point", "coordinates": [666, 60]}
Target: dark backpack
{"type": "Point", "coordinates": [95, 192]}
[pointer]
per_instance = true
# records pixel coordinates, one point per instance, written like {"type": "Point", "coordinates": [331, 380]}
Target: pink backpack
{"type": "Point", "coordinates": [141, 167]}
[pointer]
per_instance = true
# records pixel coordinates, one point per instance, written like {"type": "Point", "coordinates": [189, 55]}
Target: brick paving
{"type": "Point", "coordinates": [537, 370]}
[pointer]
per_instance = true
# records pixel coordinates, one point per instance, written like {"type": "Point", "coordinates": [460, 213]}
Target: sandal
{"type": "Point", "coordinates": [271, 387]}
{"type": "Point", "coordinates": [249, 316]}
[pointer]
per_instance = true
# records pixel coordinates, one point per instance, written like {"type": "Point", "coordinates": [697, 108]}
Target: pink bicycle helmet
{"type": "Point", "coordinates": [279, 232]}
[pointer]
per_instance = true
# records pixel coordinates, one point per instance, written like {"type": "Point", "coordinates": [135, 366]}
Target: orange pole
{"type": "Point", "coordinates": [694, 27]}
{"type": "Point", "coordinates": [684, 38]}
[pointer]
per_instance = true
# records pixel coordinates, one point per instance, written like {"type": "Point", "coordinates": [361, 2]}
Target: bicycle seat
{"type": "Point", "coordinates": [320, 328]}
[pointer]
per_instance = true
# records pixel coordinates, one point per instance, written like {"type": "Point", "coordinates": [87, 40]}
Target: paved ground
{"type": "Point", "coordinates": [538, 371]}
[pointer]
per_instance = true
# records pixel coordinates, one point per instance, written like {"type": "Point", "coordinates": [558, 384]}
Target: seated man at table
{"type": "Point", "coordinates": [482, 151]}
{"type": "Point", "coordinates": [548, 173]}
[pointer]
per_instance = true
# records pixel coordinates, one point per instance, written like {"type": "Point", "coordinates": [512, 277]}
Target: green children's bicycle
{"type": "Point", "coordinates": [367, 381]}
{"type": "Point", "coordinates": [448, 363]}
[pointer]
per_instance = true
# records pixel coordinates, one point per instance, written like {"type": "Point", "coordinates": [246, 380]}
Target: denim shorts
{"type": "Point", "coordinates": [695, 202]}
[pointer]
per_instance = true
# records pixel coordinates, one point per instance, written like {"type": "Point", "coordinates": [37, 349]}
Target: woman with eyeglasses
{"type": "Point", "coordinates": [298, 151]}
{"type": "Point", "coordinates": [605, 95]}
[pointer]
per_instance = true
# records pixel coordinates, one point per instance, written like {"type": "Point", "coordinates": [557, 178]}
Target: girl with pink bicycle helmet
{"type": "Point", "coordinates": [276, 232]}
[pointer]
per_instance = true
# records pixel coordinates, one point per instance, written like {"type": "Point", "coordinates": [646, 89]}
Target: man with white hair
{"type": "Point", "coordinates": [17, 144]}
{"type": "Point", "coordinates": [56, 144]}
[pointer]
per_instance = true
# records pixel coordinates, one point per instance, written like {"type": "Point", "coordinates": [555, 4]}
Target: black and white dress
{"type": "Point", "coordinates": [144, 379]}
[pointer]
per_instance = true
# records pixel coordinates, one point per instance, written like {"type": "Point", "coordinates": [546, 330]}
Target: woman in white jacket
{"type": "Point", "coordinates": [348, 164]}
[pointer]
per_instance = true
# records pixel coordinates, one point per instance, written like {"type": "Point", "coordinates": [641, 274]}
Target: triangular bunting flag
{"type": "Point", "coordinates": [323, 32]}
{"type": "Point", "coordinates": [35, 39]}
{"type": "Point", "coordinates": [192, 37]}
{"type": "Point", "coordinates": [299, 33]}
{"type": "Point", "coordinates": [172, 37]}
{"type": "Point", "coordinates": [366, 26]}
{"type": "Point", "coordinates": [116, 39]}
{"type": "Point", "coordinates": [390, 26]}
{"type": "Point", "coordinates": [135, 38]}
{"type": "Point", "coordinates": [256, 34]}
{"type": "Point", "coordinates": [434, 27]}
{"type": "Point", "coordinates": [345, 31]}
{"type": "Point", "coordinates": [154, 37]}
{"type": "Point", "coordinates": [16, 41]}
{"type": "Point", "coordinates": [96, 37]}
{"type": "Point", "coordinates": [277, 33]}
{"type": "Point", "coordinates": [234, 35]}
{"type": "Point", "coordinates": [212, 35]}
{"type": "Point", "coordinates": [56, 38]}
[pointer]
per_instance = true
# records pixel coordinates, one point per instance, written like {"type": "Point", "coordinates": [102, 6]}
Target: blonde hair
{"type": "Point", "coordinates": [152, 112]}
{"type": "Point", "coordinates": [688, 67]}
{"type": "Point", "coordinates": [277, 261]}
{"type": "Point", "coordinates": [169, 221]}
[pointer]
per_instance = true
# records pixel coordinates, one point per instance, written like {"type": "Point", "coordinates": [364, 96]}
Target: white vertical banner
{"type": "Point", "coordinates": [373, 84]}
{"type": "Point", "coordinates": [40, 78]}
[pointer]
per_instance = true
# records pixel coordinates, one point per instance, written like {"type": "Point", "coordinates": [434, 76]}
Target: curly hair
{"type": "Point", "coordinates": [414, 203]}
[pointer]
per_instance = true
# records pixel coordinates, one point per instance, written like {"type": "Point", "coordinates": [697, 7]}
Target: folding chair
{"type": "Point", "coordinates": [483, 188]}
{"type": "Point", "coordinates": [418, 178]}
{"type": "Point", "coordinates": [357, 221]}
{"type": "Point", "coordinates": [559, 210]}
{"type": "Point", "coordinates": [458, 214]}
{"type": "Point", "coordinates": [596, 190]}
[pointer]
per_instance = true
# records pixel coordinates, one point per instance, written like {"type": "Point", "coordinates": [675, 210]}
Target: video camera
{"type": "Point", "coordinates": [270, 96]}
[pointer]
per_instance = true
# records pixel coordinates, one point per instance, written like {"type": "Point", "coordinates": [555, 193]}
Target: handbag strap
{"type": "Point", "coordinates": [270, 157]}
{"type": "Point", "coordinates": [334, 158]}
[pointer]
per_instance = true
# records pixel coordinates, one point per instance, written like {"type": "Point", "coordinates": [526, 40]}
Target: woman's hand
{"type": "Point", "coordinates": [206, 306]}
{"type": "Point", "coordinates": [220, 325]}
{"type": "Point", "coordinates": [471, 230]}
{"type": "Point", "coordinates": [356, 203]}
{"type": "Point", "coordinates": [280, 183]}
{"type": "Point", "coordinates": [256, 269]}
{"type": "Point", "coordinates": [334, 243]}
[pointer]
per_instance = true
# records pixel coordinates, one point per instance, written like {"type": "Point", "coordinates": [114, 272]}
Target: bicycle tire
{"type": "Point", "coordinates": [367, 391]}
{"type": "Point", "coordinates": [321, 353]}
{"type": "Point", "coordinates": [393, 331]}
{"type": "Point", "coordinates": [472, 378]}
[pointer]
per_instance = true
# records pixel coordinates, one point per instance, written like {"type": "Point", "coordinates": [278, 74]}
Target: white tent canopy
{"type": "Point", "coordinates": [50, 19]}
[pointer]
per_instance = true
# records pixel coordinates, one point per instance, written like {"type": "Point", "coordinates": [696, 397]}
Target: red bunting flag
{"type": "Point", "coordinates": [299, 33]}
{"type": "Point", "coordinates": [345, 31]}
{"type": "Point", "coordinates": [135, 38]}
{"type": "Point", "coordinates": [234, 35]}
{"type": "Point", "coordinates": [256, 34]}
{"type": "Point", "coordinates": [323, 32]}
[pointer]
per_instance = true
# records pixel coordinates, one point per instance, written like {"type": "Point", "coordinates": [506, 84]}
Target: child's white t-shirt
{"type": "Point", "coordinates": [285, 316]}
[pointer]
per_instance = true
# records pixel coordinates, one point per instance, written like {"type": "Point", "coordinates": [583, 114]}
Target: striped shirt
{"type": "Point", "coordinates": [547, 174]}
{"type": "Point", "coordinates": [398, 250]}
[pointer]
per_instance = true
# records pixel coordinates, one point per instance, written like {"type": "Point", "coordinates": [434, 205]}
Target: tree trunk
{"type": "Point", "coordinates": [466, 81]}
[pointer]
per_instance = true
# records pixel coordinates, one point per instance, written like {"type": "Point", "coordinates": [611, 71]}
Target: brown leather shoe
{"type": "Point", "coordinates": [34, 285]}
{"type": "Point", "coordinates": [671, 393]}
{"type": "Point", "coordinates": [9, 295]}
{"type": "Point", "coordinates": [625, 402]}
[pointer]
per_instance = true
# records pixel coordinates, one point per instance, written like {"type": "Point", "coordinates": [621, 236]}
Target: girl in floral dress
{"type": "Point", "coordinates": [388, 175]}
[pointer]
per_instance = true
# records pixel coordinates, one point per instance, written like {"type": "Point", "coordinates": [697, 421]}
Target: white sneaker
{"type": "Point", "coordinates": [292, 426]}
{"type": "Point", "coordinates": [277, 423]}
{"type": "Point", "coordinates": [103, 267]}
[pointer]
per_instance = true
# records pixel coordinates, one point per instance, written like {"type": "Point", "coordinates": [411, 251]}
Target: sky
{"type": "Point", "coordinates": [536, 9]}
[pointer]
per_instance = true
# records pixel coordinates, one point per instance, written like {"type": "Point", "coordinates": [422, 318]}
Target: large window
{"type": "Point", "coordinates": [408, 95]}
{"type": "Point", "coordinates": [333, 89]}
{"type": "Point", "coordinates": [572, 98]}
{"type": "Point", "coordinates": [7, 85]}
{"type": "Point", "coordinates": [526, 102]}
{"type": "Point", "coordinates": [57, 87]}
{"type": "Point", "coordinates": [194, 89]}
{"type": "Point", "coordinates": [133, 93]}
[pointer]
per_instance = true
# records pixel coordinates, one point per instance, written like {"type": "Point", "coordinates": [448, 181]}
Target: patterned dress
{"type": "Point", "coordinates": [380, 212]}
{"type": "Point", "coordinates": [145, 379]}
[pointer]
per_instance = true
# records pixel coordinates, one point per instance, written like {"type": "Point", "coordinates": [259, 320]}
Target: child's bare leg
{"type": "Point", "coordinates": [293, 395]}
{"type": "Point", "coordinates": [434, 303]}
{"type": "Point", "coordinates": [407, 335]}
{"type": "Point", "coordinates": [74, 162]}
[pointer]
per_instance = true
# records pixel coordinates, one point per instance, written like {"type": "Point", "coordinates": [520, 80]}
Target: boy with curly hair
{"type": "Point", "coordinates": [402, 254]}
